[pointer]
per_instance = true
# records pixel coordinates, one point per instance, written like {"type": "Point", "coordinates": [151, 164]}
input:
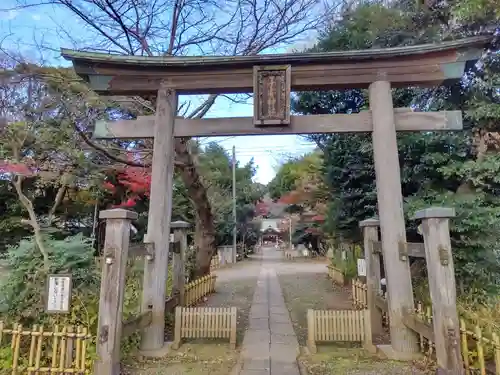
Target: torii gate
{"type": "Point", "coordinates": [272, 78]}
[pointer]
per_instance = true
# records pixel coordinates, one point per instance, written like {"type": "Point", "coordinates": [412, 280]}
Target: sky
{"type": "Point", "coordinates": [35, 32]}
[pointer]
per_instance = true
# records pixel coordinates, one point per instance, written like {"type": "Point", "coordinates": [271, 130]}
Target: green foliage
{"type": "Point", "coordinates": [216, 168]}
{"type": "Point", "coordinates": [477, 13]}
{"type": "Point", "coordinates": [293, 172]}
{"type": "Point", "coordinates": [447, 169]}
{"type": "Point", "coordinates": [350, 176]}
{"type": "Point", "coordinates": [349, 265]}
{"type": "Point", "coordinates": [369, 25]}
{"type": "Point", "coordinates": [474, 243]}
{"type": "Point", "coordinates": [23, 286]}
{"type": "Point", "coordinates": [24, 289]}
{"type": "Point", "coordinates": [10, 217]}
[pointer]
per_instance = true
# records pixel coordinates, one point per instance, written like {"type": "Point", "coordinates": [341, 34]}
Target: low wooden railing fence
{"type": "Point", "coordinates": [480, 347]}
{"type": "Point", "coordinates": [360, 300]}
{"type": "Point", "coordinates": [61, 350]}
{"type": "Point", "coordinates": [359, 295]}
{"type": "Point", "coordinates": [198, 289]}
{"type": "Point", "coordinates": [336, 275]}
{"type": "Point", "coordinates": [215, 262]}
{"type": "Point", "coordinates": [205, 322]}
{"type": "Point", "coordinates": [290, 254]}
{"type": "Point", "coordinates": [195, 291]}
{"type": "Point", "coordinates": [338, 325]}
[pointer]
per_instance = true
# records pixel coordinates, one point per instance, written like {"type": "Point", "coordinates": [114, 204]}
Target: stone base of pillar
{"type": "Point", "coordinates": [387, 352]}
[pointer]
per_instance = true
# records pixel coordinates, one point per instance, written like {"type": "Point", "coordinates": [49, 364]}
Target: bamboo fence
{"type": "Point", "coordinates": [215, 262]}
{"type": "Point", "coordinates": [359, 294]}
{"type": "Point", "coordinates": [480, 346]}
{"type": "Point", "coordinates": [336, 275]}
{"type": "Point", "coordinates": [61, 350]}
{"type": "Point", "coordinates": [198, 289]}
{"type": "Point", "coordinates": [64, 349]}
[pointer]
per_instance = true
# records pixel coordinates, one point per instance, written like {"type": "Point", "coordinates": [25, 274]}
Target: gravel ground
{"type": "Point", "coordinates": [353, 361]}
{"type": "Point", "coordinates": [306, 286]}
{"type": "Point", "coordinates": [235, 286]}
{"type": "Point", "coordinates": [311, 290]}
{"type": "Point", "coordinates": [190, 359]}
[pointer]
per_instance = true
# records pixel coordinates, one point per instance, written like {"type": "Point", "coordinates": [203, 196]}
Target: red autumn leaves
{"type": "Point", "coordinates": [16, 168]}
{"type": "Point", "coordinates": [135, 182]}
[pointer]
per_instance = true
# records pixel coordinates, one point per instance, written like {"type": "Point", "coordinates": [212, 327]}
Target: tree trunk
{"type": "Point", "coordinates": [204, 226]}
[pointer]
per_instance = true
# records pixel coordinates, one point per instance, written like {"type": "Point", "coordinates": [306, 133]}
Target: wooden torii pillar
{"type": "Point", "coordinates": [392, 223]}
{"type": "Point", "coordinates": [160, 212]}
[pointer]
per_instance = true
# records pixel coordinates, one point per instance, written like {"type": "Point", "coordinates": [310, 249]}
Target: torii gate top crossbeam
{"type": "Point", "coordinates": [421, 65]}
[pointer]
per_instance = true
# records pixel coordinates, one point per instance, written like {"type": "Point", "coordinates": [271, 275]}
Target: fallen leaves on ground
{"type": "Point", "coordinates": [355, 361]}
{"type": "Point", "coordinates": [190, 359]}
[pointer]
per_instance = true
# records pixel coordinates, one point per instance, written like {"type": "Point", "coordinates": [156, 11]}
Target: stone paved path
{"type": "Point", "coordinates": [270, 346]}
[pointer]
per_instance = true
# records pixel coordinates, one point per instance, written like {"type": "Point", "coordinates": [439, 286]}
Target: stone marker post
{"type": "Point", "coordinates": [114, 265]}
{"type": "Point", "coordinates": [435, 227]}
{"type": "Point", "coordinates": [370, 234]}
{"type": "Point", "coordinates": [179, 259]}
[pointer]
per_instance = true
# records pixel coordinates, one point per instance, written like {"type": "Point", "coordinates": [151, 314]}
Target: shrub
{"type": "Point", "coordinates": [23, 287]}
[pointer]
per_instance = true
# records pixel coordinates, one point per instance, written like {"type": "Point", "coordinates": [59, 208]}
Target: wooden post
{"type": "Point", "coordinates": [439, 259]}
{"type": "Point", "coordinates": [370, 234]}
{"type": "Point", "coordinates": [114, 265]}
{"type": "Point", "coordinates": [368, 339]}
{"type": "Point", "coordinates": [179, 259]}
{"type": "Point", "coordinates": [311, 331]}
{"type": "Point", "coordinates": [160, 210]}
{"type": "Point", "coordinates": [392, 223]}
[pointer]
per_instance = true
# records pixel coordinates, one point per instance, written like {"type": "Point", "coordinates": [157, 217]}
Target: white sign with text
{"type": "Point", "coordinates": [58, 294]}
{"type": "Point", "coordinates": [361, 267]}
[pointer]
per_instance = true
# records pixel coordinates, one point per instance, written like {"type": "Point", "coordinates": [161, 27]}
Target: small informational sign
{"type": "Point", "coordinates": [344, 255]}
{"type": "Point", "coordinates": [172, 237]}
{"type": "Point", "coordinates": [361, 267]}
{"type": "Point", "coordinates": [58, 293]}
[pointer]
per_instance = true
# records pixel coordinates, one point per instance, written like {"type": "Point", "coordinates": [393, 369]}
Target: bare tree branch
{"type": "Point", "coordinates": [192, 27]}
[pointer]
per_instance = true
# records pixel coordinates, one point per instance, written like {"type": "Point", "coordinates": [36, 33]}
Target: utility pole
{"type": "Point", "coordinates": [234, 204]}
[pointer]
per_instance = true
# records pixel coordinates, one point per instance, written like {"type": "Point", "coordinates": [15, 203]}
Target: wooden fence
{"type": "Point", "coordinates": [359, 295]}
{"type": "Point", "coordinates": [360, 300]}
{"type": "Point", "coordinates": [199, 288]}
{"type": "Point", "coordinates": [62, 350]}
{"type": "Point", "coordinates": [336, 275]}
{"type": "Point", "coordinates": [290, 253]}
{"type": "Point", "coordinates": [215, 262]}
{"type": "Point", "coordinates": [205, 322]}
{"type": "Point", "coordinates": [480, 347]}
{"type": "Point", "coordinates": [338, 325]}
{"type": "Point", "coordinates": [193, 293]}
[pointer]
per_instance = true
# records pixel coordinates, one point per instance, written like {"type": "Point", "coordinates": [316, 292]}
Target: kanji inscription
{"type": "Point", "coordinates": [272, 95]}
{"type": "Point", "coordinates": [58, 293]}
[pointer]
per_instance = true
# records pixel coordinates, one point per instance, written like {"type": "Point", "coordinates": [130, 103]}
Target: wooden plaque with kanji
{"type": "Point", "coordinates": [271, 90]}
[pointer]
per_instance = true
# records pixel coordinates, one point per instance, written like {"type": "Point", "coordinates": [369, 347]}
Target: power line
{"type": "Point", "coordinates": [277, 146]}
